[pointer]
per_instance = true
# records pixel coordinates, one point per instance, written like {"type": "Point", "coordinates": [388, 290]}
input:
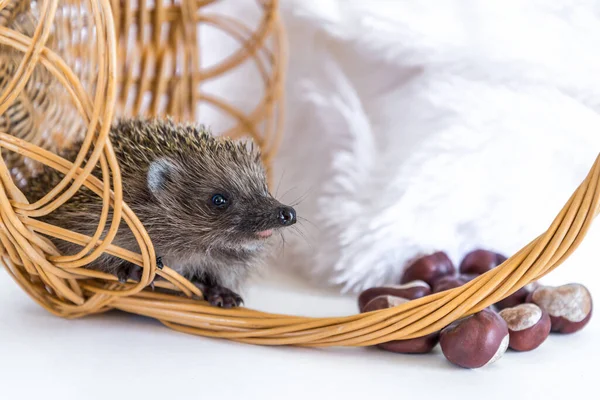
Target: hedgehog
{"type": "Point", "coordinates": [203, 199]}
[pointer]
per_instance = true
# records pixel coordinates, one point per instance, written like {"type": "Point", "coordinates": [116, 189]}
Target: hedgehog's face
{"type": "Point", "coordinates": [216, 200]}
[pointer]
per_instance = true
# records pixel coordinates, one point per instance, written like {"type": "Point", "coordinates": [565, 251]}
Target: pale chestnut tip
{"type": "Point", "coordinates": [411, 290]}
{"type": "Point", "coordinates": [569, 306]}
{"type": "Point", "coordinates": [383, 301]}
{"type": "Point", "coordinates": [528, 326]}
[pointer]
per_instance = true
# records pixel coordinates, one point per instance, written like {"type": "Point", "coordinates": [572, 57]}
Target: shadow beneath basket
{"type": "Point", "coordinates": [433, 360]}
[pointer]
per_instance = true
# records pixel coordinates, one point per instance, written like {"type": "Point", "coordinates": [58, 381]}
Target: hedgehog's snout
{"type": "Point", "coordinates": [286, 216]}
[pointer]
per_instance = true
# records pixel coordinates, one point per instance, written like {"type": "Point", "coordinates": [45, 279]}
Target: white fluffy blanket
{"type": "Point", "coordinates": [421, 125]}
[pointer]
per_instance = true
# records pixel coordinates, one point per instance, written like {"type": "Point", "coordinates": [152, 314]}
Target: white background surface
{"type": "Point", "coordinates": [117, 356]}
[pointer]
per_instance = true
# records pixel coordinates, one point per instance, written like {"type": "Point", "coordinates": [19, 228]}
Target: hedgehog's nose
{"type": "Point", "coordinates": [286, 216]}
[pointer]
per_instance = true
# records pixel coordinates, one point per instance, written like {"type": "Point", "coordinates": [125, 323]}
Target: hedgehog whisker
{"type": "Point", "coordinates": [279, 184]}
{"type": "Point", "coordinates": [282, 247]}
{"type": "Point", "coordinates": [302, 219]}
{"type": "Point", "coordinates": [286, 192]}
{"type": "Point", "coordinates": [301, 198]}
{"type": "Point", "coordinates": [303, 236]}
{"type": "Point", "coordinates": [300, 228]}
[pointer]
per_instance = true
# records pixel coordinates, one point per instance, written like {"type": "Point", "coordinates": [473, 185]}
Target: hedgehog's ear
{"type": "Point", "coordinates": [160, 172]}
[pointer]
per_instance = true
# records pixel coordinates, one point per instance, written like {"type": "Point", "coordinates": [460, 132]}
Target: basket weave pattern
{"type": "Point", "coordinates": [115, 57]}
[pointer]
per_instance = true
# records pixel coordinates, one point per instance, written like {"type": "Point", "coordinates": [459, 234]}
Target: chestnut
{"type": "Point", "coordinates": [518, 297]}
{"type": "Point", "coordinates": [475, 341]}
{"type": "Point", "coordinates": [429, 268]}
{"type": "Point", "coordinates": [383, 301]}
{"type": "Point", "coordinates": [528, 326]}
{"type": "Point", "coordinates": [450, 282]}
{"type": "Point", "coordinates": [569, 306]}
{"type": "Point", "coordinates": [480, 261]}
{"type": "Point", "coordinates": [411, 290]}
{"type": "Point", "coordinates": [417, 345]}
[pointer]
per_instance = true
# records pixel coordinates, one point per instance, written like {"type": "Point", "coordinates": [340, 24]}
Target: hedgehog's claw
{"type": "Point", "coordinates": [134, 273]}
{"type": "Point", "coordinates": [127, 272]}
{"type": "Point", "coordinates": [220, 296]}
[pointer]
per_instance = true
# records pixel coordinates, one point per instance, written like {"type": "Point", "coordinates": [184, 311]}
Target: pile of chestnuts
{"type": "Point", "coordinates": [522, 321]}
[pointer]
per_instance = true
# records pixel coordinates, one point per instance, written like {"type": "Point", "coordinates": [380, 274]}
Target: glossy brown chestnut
{"type": "Point", "coordinates": [569, 306]}
{"type": "Point", "coordinates": [411, 290]}
{"type": "Point", "coordinates": [475, 341]}
{"type": "Point", "coordinates": [451, 281]}
{"type": "Point", "coordinates": [480, 261]}
{"type": "Point", "coordinates": [528, 326]}
{"type": "Point", "coordinates": [518, 297]}
{"type": "Point", "coordinates": [429, 268]}
{"type": "Point", "coordinates": [383, 301]}
{"type": "Point", "coordinates": [418, 345]}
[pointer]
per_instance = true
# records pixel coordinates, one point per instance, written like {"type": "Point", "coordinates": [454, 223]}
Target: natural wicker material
{"type": "Point", "coordinates": [99, 88]}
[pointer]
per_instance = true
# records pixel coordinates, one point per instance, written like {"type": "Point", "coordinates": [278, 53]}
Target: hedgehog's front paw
{"type": "Point", "coordinates": [222, 297]}
{"type": "Point", "coordinates": [129, 271]}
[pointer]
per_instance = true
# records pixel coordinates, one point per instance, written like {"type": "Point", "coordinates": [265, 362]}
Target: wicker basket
{"type": "Point", "coordinates": [108, 57]}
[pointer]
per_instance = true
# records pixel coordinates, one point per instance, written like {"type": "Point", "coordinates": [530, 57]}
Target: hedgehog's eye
{"type": "Point", "coordinates": [219, 201]}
